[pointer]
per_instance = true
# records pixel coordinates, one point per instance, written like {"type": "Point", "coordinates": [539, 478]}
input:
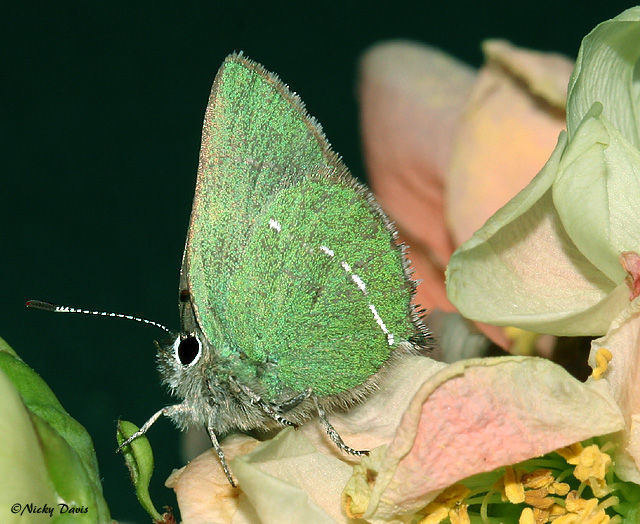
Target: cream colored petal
{"type": "Point", "coordinates": [522, 269]}
{"type": "Point", "coordinates": [299, 475]}
{"type": "Point", "coordinates": [411, 96]}
{"type": "Point", "coordinates": [204, 493]}
{"type": "Point", "coordinates": [477, 415]}
{"type": "Point", "coordinates": [287, 479]}
{"type": "Point", "coordinates": [597, 193]}
{"type": "Point", "coordinates": [623, 375]}
{"type": "Point", "coordinates": [606, 72]}
{"type": "Point", "coordinates": [545, 75]}
{"type": "Point", "coordinates": [506, 133]}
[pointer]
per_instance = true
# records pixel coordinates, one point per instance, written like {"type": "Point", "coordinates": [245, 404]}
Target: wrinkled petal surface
{"type": "Point", "coordinates": [204, 493]}
{"type": "Point", "coordinates": [429, 426]}
{"type": "Point", "coordinates": [549, 260]}
{"type": "Point", "coordinates": [299, 475]}
{"type": "Point", "coordinates": [477, 415]}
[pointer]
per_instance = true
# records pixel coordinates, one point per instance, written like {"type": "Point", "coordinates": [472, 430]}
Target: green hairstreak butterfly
{"type": "Point", "coordinates": [294, 294]}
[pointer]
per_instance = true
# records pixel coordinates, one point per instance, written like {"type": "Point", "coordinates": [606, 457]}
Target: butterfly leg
{"type": "Point", "coordinates": [223, 460]}
{"type": "Point", "coordinates": [333, 434]}
{"type": "Point", "coordinates": [166, 411]}
{"type": "Point", "coordinates": [292, 402]}
{"type": "Point", "coordinates": [265, 406]}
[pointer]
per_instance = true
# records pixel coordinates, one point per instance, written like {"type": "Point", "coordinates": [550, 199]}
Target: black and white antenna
{"type": "Point", "coordinates": [47, 306]}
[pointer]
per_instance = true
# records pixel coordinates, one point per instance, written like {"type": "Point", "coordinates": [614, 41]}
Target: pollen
{"type": "Point", "coordinates": [538, 498]}
{"type": "Point", "coordinates": [559, 488]}
{"type": "Point", "coordinates": [459, 514]}
{"type": "Point", "coordinates": [540, 478]}
{"type": "Point", "coordinates": [513, 488]}
{"type": "Point", "coordinates": [603, 357]}
{"type": "Point", "coordinates": [582, 510]}
{"type": "Point", "coordinates": [435, 516]}
{"type": "Point", "coordinates": [526, 517]}
{"type": "Point", "coordinates": [570, 453]}
{"type": "Point", "coordinates": [591, 465]}
{"type": "Point", "coordinates": [575, 485]}
{"type": "Point", "coordinates": [449, 504]}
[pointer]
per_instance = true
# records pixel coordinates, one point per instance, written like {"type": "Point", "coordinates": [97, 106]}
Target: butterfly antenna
{"type": "Point", "coordinates": [47, 306]}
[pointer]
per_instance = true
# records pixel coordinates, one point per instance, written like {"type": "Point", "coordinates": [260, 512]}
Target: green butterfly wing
{"type": "Point", "coordinates": [290, 263]}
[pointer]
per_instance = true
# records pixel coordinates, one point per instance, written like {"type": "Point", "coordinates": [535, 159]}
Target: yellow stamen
{"type": "Point", "coordinates": [569, 518]}
{"type": "Point", "coordinates": [541, 515]}
{"type": "Point", "coordinates": [450, 499]}
{"type": "Point", "coordinates": [459, 515]}
{"type": "Point", "coordinates": [540, 478]}
{"type": "Point", "coordinates": [453, 494]}
{"type": "Point", "coordinates": [559, 488]}
{"type": "Point", "coordinates": [586, 509]}
{"type": "Point", "coordinates": [437, 516]}
{"type": "Point", "coordinates": [538, 498]}
{"type": "Point", "coordinates": [556, 510]}
{"type": "Point", "coordinates": [526, 517]}
{"type": "Point", "coordinates": [570, 452]}
{"type": "Point", "coordinates": [603, 357]}
{"type": "Point", "coordinates": [523, 342]}
{"type": "Point", "coordinates": [498, 486]}
{"type": "Point", "coordinates": [591, 465]}
{"type": "Point", "coordinates": [513, 488]}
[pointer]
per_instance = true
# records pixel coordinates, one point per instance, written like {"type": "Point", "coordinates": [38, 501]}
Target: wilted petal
{"type": "Point", "coordinates": [477, 415]}
{"type": "Point", "coordinates": [522, 269]}
{"type": "Point", "coordinates": [411, 97]}
{"type": "Point", "coordinates": [203, 491]}
{"type": "Point", "coordinates": [299, 475]}
{"type": "Point", "coordinates": [623, 375]}
{"type": "Point", "coordinates": [606, 73]}
{"type": "Point", "coordinates": [506, 133]}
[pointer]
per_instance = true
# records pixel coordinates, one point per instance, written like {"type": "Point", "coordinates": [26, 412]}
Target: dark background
{"type": "Point", "coordinates": [102, 106]}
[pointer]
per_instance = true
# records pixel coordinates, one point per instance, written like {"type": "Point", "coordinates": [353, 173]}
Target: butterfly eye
{"type": "Point", "coordinates": [187, 350]}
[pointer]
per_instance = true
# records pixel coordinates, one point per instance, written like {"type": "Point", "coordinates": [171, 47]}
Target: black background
{"type": "Point", "coordinates": [102, 105]}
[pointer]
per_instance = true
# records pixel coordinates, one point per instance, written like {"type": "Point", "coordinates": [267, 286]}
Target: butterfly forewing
{"type": "Point", "coordinates": [290, 262]}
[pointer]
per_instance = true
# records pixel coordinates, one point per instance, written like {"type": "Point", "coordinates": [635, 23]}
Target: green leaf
{"type": "Point", "coordinates": [605, 72]}
{"type": "Point", "coordinates": [47, 457]}
{"type": "Point", "coordinates": [23, 473]}
{"type": "Point", "coordinates": [139, 459]}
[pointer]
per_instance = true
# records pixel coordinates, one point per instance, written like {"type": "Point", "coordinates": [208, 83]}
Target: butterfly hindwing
{"type": "Point", "coordinates": [289, 260]}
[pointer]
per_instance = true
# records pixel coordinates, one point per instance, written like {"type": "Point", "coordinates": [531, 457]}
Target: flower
{"type": "Point", "coordinates": [548, 261]}
{"type": "Point", "coordinates": [428, 429]}
{"type": "Point", "coordinates": [445, 146]}
{"type": "Point", "coordinates": [516, 438]}
{"type": "Point", "coordinates": [561, 256]}
{"type": "Point", "coordinates": [622, 373]}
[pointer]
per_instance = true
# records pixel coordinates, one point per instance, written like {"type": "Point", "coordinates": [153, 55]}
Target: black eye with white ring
{"type": "Point", "coordinates": [187, 349]}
